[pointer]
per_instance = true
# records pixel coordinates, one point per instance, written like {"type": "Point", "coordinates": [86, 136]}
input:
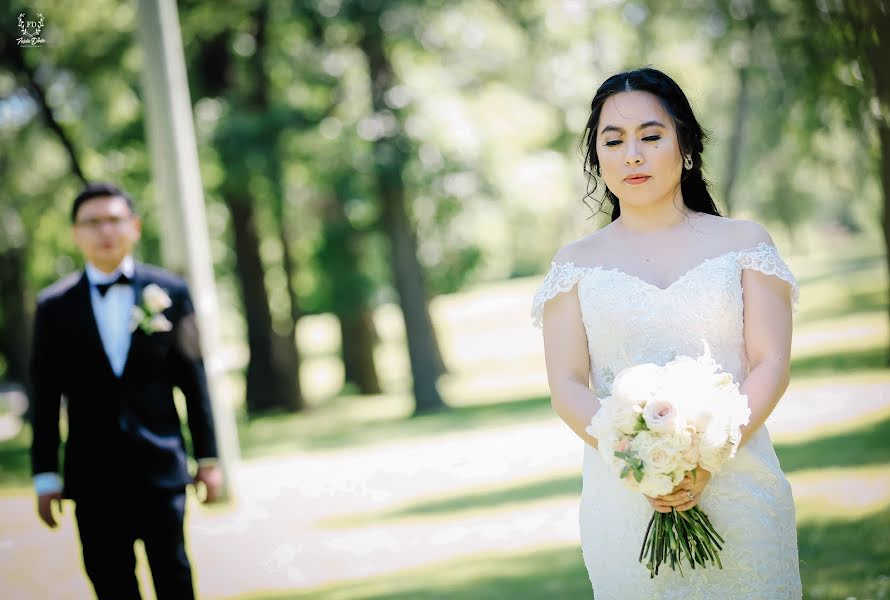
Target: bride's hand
{"type": "Point", "coordinates": [685, 495]}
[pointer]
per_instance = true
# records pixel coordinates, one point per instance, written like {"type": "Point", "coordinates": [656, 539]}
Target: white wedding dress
{"type": "Point", "coordinates": [629, 321]}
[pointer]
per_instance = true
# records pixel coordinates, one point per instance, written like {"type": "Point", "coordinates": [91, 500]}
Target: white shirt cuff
{"type": "Point", "coordinates": [210, 461]}
{"type": "Point", "coordinates": [47, 483]}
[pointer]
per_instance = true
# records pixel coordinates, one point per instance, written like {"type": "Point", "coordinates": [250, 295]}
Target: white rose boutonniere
{"type": "Point", "coordinates": [149, 317]}
{"type": "Point", "coordinates": [156, 299]}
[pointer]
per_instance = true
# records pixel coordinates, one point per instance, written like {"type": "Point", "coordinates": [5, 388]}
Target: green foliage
{"type": "Point", "coordinates": [489, 104]}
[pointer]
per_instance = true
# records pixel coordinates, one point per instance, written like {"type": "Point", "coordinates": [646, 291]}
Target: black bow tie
{"type": "Point", "coordinates": [104, 287]}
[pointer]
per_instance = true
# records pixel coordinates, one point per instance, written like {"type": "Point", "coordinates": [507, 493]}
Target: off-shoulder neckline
{"type": "Point", "coordinates": [598, 268]}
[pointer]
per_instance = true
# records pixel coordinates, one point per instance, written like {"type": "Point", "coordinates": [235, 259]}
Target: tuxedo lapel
{"type": "Point", "coordinates": [86, 316]}
{"type": "Point", "coordinates": [137, 336]}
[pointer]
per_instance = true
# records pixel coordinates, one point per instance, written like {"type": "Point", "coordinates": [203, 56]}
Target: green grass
{"type": "Point", "coordinates": [868, 445]}
{"type": "Point", "coordinates": [15, 460]}
{"type": "Point", "coordinates": [856, 302]}
{"type": "Point", "coordinates": [845, 361]}
{"type": "Point", "coordinates": [337, 425]}
{"type": "Point", "coordinates": [846, 559]}
{"type": "Point", "coordinates": [838, 560]}
{"type": "Point", "coordinates": [841, 556]}
{"type": "Point", "coordinates": [546, 573]}
{"type": "Point", "coordinates": [491, 499]}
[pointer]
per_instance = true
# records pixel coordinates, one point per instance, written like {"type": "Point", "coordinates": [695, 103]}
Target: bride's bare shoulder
{"type": "Point", "coordinates": [741, 234]}
{"type": "Point", "coordinates": [581, 251]}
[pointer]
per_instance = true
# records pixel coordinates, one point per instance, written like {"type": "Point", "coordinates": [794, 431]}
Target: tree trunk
{"type": "Point", "coordinates": [412, 297]}
{"type": "Point", "coordinates": [407, 272]}
{"type": "Point", "coordinates": [287, 356]}
{"type": "Point", "coordinates": [357, 341]}
{"type": "Point", "coordinates": [15, 338]}
{"type": "Point", "coordinates": [349, 297]}
{"type": "Point", "coordinates": [441, 367]}
{"type": "Point", "coordinates": [733, 161]}
{"type": "Point", "coordinates": [884, 135]}
{"type": "Point", "coordinates": [271, 382]}
{"type": "Point", "coordinates": [287, 264]}
{"type": "Point", "coordinates": [272, 378]}
{"type": "Point", "coordinates": [876, 49]}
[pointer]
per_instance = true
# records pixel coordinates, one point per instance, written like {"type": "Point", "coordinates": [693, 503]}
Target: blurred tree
{"type": "Point", "coordinates": [864, 28]}
{"type": "Point", "coordinates": [345, 287]}
{"type": "Point", "coordinates": [15, 314]}
{"type": "Point", "coordinates": [246, 142]}
{"type": "Point", "coordinates": [348, 290]}
{"type": "Point", "coordinates": [391, 154]}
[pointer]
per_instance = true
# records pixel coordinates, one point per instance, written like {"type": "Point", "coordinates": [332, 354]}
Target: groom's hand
{"type": "Point", "coordinates": [45, 507]}
{"type": "Point", "coordinates": [211, 477]}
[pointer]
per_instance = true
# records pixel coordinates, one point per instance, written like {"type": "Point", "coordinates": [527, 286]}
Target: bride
{"type": "Point", "coordinates": [668, 272]}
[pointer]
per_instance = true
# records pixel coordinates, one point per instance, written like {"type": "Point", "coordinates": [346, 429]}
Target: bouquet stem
{"type": "Point", "coordinates": [677, 536]}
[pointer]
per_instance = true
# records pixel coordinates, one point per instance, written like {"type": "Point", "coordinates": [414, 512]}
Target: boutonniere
{"type": "Point", "coordinates": [149, 315]}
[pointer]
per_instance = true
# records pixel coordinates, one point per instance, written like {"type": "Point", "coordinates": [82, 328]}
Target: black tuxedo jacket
{"type": "Point", "coordinates": [121, 430]}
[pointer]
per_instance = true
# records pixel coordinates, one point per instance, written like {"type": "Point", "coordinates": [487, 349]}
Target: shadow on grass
{"type": "Point", "coordinates": [546, 573]}
{"type": "Point", "coordinates": [569, 485]}
{"type": "Point", "coordinates": [282, 433]}
{"type": "Point", "coordinates": [840, 362]}
{"type": "Point", "coordinates": [864, 446]}
{"type": "Point", "coordinates": [845, 266]}
{"type": "Point", "coordinates": [326, 428]}
{"type": "Point", "coordinates": [860, 302]}
{"type": "Point", "coordinates": [839, 559]}
{"type": "Point", "coordinates": [844, 559]}
{"type": "Point", "coordinates": [15, 460]}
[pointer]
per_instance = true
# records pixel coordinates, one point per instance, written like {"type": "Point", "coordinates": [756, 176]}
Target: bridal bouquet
{"type": "Point", "coordinates": [660, 423]}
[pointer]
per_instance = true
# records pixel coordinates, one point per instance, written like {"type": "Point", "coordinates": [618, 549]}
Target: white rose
{"type": "Point", "coordinates": [691, 455]}
{"type": "Point", "coordinates": [156, 299]}
{"type": "Point", "coordinates": [625, 416]}
{"type": "Point", "coordinates": [716, 434]}
{"type": "Point", "coordinates": [713, 459]}
{"type": "Point", "coordinates": [637, 384]}
{"type": "Point", "coordinates": [661, 416]}
{"type": "Point", "coordinates": [136, 318]}
{"type": "Point", "coordinates": [160, 323]}
{"type": "Point", "coordinates": [656, 484]}
{"type": "Point", "coordinates": [662, 453]}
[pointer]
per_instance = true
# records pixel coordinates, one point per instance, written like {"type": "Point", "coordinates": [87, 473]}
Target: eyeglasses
{"type": "Point", "coordinates": [96, 224]}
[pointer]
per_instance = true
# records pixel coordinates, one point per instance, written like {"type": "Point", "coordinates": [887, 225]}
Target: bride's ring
{"type": "Point", "coordinates": [688, 493]}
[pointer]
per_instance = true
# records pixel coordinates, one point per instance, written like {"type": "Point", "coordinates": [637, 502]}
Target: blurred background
{"type": "Point", "coordinates": [385, 184]}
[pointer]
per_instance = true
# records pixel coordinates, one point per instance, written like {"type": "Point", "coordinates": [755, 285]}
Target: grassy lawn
{"type": "Point", "coordinates": [844, 552]}
{"type": "Point", "coordinates": [839, 560]}
{"type": "Point", "coordinates": [840, 335]}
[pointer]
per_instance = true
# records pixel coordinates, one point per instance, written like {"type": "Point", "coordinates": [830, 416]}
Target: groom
{"type": "Point", "coordinates": [115, 340]}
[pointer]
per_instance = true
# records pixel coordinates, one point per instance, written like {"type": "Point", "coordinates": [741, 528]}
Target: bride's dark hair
{"type": "Point", "coordinates": [689, 134]}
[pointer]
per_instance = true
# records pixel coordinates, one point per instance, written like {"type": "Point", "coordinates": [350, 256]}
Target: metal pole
{"type": "Point", "coordinates": [180, 196]}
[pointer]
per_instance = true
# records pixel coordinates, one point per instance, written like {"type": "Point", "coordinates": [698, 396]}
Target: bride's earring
{"type": "Point", "coordinates": [687, 162]}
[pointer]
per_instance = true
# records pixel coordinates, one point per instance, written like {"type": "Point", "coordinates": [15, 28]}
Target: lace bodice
{"type": "Point", "coordinates": [630, 321]}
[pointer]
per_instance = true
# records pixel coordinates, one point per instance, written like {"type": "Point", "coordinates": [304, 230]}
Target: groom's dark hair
{"type": "Point", "coordinates": [99, 189]}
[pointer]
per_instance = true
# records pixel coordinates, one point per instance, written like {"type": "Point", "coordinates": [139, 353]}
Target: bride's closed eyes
{"type": "Point", "coordinates": [648, 138]}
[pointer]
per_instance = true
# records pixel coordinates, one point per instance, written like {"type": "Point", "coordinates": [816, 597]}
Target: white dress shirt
{"type": "Point", "coordinates": [112, 312]}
